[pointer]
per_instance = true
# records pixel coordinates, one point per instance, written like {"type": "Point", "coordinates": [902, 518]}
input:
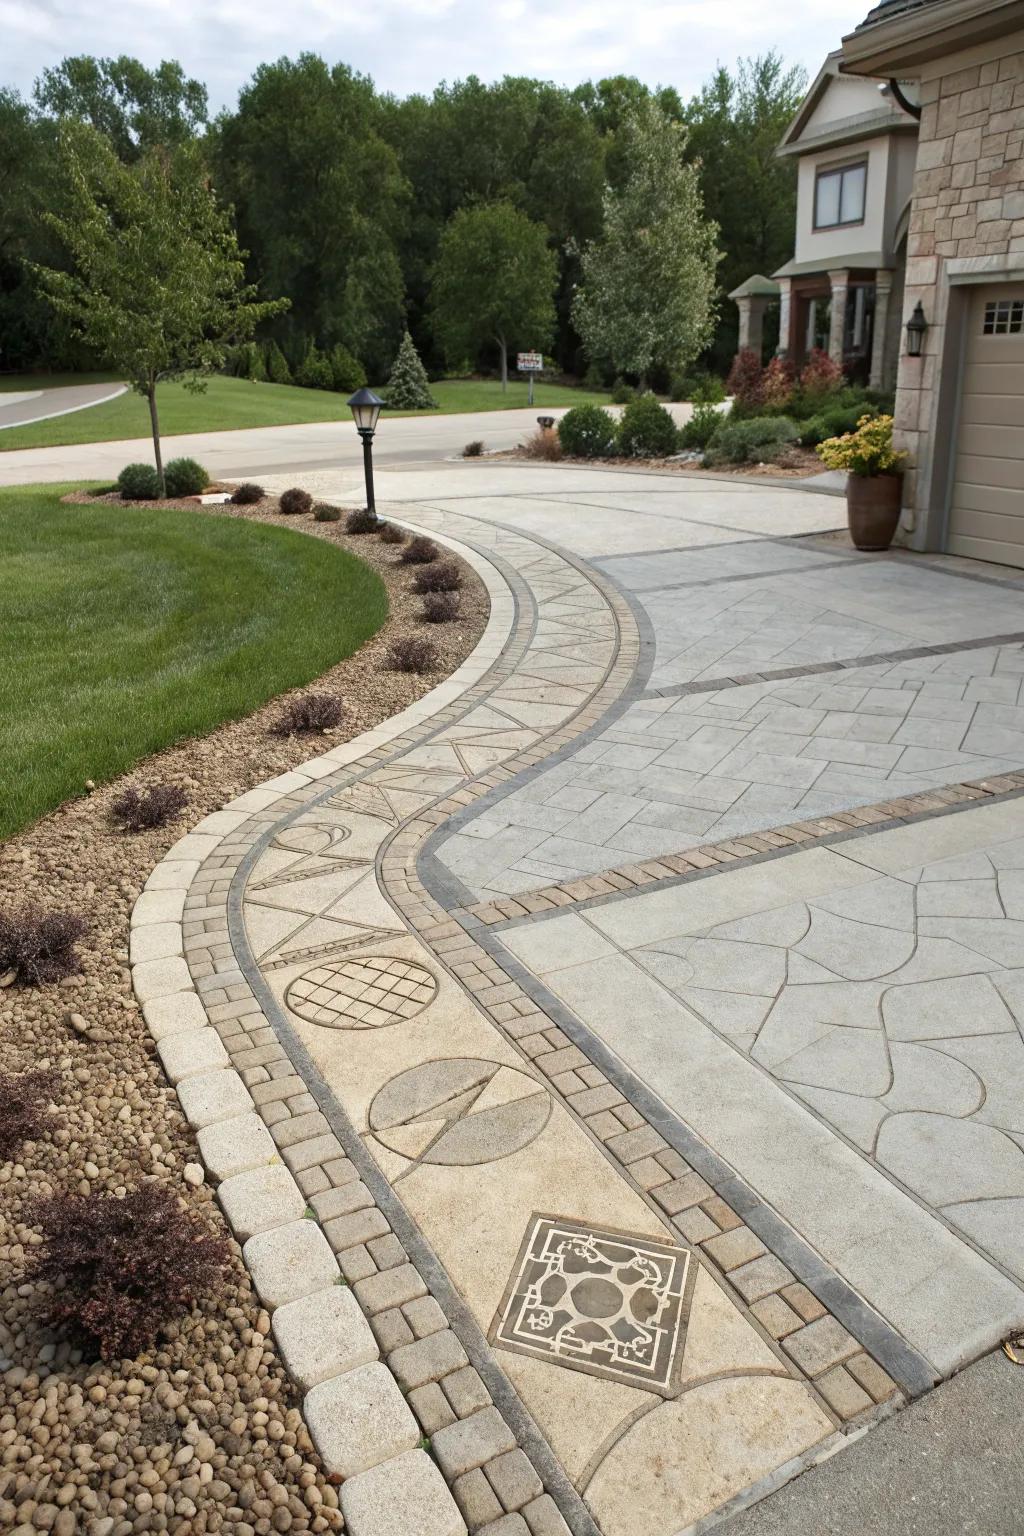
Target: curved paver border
{"type": "Point", "coordinates": [272, 1135]}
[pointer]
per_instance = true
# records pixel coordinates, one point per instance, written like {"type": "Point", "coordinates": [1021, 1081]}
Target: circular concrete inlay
{"type": "Point", "coordinates": [459, 1111]}
{"type": "Point", "coordinates": [368, 993]}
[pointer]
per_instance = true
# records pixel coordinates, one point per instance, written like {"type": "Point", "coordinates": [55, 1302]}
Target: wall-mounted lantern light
{"type": "Point", "coordinates": [916, 327]}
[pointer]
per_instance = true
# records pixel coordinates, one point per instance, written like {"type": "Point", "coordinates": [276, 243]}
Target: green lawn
{"type": "Point", "coordinates": [229, 403]}
{"type": "Point", "coordinates": [126, 630]}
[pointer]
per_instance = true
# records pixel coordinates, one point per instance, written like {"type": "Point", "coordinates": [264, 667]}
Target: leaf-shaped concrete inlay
{"type": "Point", "coordinates": [932, 1010]}
{"type": "Point", "coordinates": [884, 904]}
{"type": "Point", "coordinates": [998, 1060]}
{"type": "Point", "coordinates": [927, 1079]}
{"type": "Point", "coordinates": [854, 1060]}
{"type": "Point", "coordinates": [854, 949]}
{"type": "Point", "coordinates": [727, 966]}
{"type": "Point", "coordinates": [946, 1160]}
{"type": "Point", "coordinates": [857, 1118]}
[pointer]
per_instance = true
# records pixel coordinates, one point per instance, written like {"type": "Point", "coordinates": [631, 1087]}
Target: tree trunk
{"type": "Point", "coordinates": [504, 363]}
{"type": "Point", "coordinates": [155, 425]}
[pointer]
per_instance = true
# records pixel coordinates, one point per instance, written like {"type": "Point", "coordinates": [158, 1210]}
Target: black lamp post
{"type": "Point", "coordinates": [365, 407]}
{"type": "Point", "coordinates": [916, 327]}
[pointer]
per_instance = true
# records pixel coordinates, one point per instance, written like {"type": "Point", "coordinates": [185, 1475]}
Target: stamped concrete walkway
{"type": "Point", "coordinates": [652, 1188]}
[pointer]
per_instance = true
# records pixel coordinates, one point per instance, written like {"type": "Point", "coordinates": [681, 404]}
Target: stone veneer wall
{"type": "Point", "coordinates": [968, 203]}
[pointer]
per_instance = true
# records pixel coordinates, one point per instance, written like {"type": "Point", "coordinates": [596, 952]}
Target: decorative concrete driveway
{"type": "Point", "coordinates": [653, 1183]}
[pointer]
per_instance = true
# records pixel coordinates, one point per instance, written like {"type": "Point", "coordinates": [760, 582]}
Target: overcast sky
{"type": "Point", "coordinates": [410, 45]}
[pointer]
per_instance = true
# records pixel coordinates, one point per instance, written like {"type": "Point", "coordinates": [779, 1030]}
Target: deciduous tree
{"type": "Point", "coordinates": [647, 296]}
{"type": "Point", "coordinates": [157, 287]}
{"type": "Point", "coordinates": [494, 283]}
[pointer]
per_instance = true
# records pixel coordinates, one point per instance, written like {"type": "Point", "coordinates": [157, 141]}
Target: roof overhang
{"type": "Point", "coordinates": [860, 261]}
{"type": "Point", "coordinates": [898, 38]}
{"type": "Point", "coordinates": [850, 130]}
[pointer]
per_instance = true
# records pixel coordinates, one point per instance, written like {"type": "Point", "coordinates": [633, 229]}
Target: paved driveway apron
{"type": "Point", "coordinates": [717, 1147]}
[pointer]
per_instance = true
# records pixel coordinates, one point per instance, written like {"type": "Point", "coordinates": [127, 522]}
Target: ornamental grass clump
{"type": "Point", "coordinates": [390, 533]}
{"type": "Point", "coordinates": [419, 551]}
{"type": "Point", "coordinates": [24, 1101]}
{"type": "Point", "coordinates": [119, 1269]}
{"type": "Point", "coordinates": [544, 443]}
{"type": "Point", "coordinates": [439, 576]}
{"type": "Point", "coordinates": [38, 946]}
{"type": "Point", "coordinates": [308, 714]}
{"type": "Point", "coordinates": [868, 451]}
{"type": "Point", "coordinates": [247, 494]}
{"type": "Point", "coordinates": [137, 810]}
{"type": "Point", "coordinates": [323, 512]}
{"type": "Point", "coordinates": [440, 607]}
{"type": "Point", "coordinates": [412, 653]}
{"type": "Point", "coordinates": [295, 502]}
{"type": "Point", "coordinates": [362, 520]}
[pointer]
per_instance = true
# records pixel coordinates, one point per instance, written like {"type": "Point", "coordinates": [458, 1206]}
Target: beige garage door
{"type": "Point", "coordinates": [987, 511]}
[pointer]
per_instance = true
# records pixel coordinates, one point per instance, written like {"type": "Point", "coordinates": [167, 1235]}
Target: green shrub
{"type": "Point", "coordinates": [138, 482]}
{"type": "Point", "coordinates": [276, 364]}
{"type": "Point", "coordinates": [756, 441]}
{"type": "Point", "coordinates": [622, 393]}
{"type": "Point", "coordinates": [315, 371]}
{"type": "Point", "coordinates": [833, 422]}
{"type": "Point", "coordinates": [699, 388]}
{"type": "Point", "coordinates": [646, 430]}
{"type": "Point", "coordinates": [185, 477]}
{"type": "Point", "coordinates": [587, 432]}
{"type": "Point", "coordinates": [701, 427]}
{"type": "Point", "coordinates": [347, 372]}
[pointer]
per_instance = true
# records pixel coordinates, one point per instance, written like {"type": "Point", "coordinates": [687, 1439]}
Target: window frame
{"type": "Point", "coordinates": [840, 170]}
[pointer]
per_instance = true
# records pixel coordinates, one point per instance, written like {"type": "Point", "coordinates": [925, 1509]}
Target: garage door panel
{"type": "Point", "coordinates": [987, 469]}
{"type": "Point", "coordinates": [985, 498]}
{"type": "Point", "coordinates": [993, 410]}
{"type": "Point", "coordinates": [986, 519]}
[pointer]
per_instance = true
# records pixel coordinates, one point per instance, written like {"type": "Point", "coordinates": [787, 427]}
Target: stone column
{"type": "Point", "coordinates": [840, 287]}
{"type": "Point", "coordinates": [785, 311]}
{"type": "Point", "coordinates": [745, 307]}
{"type": "Point", "coordinates": [880, 324]}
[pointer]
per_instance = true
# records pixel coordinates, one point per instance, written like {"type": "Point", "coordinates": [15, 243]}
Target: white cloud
{"type": "Point", "coordinates": [409, 45]}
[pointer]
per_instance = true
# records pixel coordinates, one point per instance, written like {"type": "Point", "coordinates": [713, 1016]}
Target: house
{"type": "Point", "coordinates": [855, 143]}
{"type": "Point", "coordinates": [960, 403]}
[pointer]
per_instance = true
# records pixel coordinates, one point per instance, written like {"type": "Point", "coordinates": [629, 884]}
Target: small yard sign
{"type": "Point", "coordinates": [530, 362]}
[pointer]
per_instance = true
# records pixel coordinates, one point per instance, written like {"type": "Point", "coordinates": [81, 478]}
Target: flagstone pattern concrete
{"type": "Point", "coordinates": [381, 1043]}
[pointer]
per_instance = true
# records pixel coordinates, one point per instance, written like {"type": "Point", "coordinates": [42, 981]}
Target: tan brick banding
{"type": "Point", "coordinates": [753, 846]}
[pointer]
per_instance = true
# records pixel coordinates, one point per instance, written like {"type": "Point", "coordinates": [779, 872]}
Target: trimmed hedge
{"type": "Point", "coordinates": [587, 432]}
{"type": "Point", "coordinates": [646, 430]}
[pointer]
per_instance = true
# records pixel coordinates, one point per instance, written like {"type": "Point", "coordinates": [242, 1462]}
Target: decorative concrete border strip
{"type": "Point", "coordinates": [751, 848]}
{"type": "Point", "coordinates": [331, 1272]}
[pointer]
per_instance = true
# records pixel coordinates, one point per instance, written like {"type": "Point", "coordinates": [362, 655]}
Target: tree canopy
{"type": "Point", "coordinates": [647, 295]}
{"type": "Point", "coordinates": [494, 283]}
{"type": "Point", "coordinates": [157, 286]}
{"type": "Point", "coordinates": [342, 195]}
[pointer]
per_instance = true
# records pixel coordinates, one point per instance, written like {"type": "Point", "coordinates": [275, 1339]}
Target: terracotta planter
{"type": "Point", "coordinates": [873, 509]}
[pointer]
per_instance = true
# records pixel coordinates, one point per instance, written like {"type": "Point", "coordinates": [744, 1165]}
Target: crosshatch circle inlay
{"type": "Point", "coordinates": [369, 993]}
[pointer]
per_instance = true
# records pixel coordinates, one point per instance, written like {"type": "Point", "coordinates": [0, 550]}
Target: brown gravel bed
{"type": "Point", "coordinates": [204, 1433]}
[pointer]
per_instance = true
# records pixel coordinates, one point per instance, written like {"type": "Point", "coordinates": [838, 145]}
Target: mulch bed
{"type": "Point", "coordinates": [204, 1433]}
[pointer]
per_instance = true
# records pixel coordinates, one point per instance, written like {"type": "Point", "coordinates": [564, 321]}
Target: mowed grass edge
{"type": "Point", "coordinates": [124, 630]}
{"type": "Point", "coordinates": [229, 404]}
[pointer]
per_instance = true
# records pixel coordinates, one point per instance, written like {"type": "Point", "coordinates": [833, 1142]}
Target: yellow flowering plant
{"type": "Point", "coordinates": [868, 451]}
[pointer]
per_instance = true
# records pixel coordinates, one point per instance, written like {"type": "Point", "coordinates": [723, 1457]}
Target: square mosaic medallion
{"type": "Point", "coordinates": [600, 1301]}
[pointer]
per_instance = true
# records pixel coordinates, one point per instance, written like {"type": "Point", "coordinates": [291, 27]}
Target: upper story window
{"type": "Point", "coordinates": [839, 196]}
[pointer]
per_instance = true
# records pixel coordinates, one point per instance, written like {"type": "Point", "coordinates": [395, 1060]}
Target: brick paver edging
{"type": "Point", "coordinates": [751, 848]}
{"type": "Point", "coordinates": [320, 1253]}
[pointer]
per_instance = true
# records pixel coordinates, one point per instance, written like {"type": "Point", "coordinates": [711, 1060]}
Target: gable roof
{"type": "Point", "coordinates": [799, 138]}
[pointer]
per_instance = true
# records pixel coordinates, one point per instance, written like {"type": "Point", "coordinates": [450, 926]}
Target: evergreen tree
{"type": "Point", "coordinates": [408, 388]}
{"type": "Point", "coordinates": [277, 368]}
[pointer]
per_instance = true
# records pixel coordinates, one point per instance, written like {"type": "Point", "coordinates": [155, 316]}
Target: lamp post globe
{"type": "Point", "coordinates": [365, 407]}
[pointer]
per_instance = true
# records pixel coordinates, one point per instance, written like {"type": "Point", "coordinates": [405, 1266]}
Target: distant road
{"type": "Point", "coordinates": [281, 450]}
{"type": "Point", "coordinates": [22, 408]}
